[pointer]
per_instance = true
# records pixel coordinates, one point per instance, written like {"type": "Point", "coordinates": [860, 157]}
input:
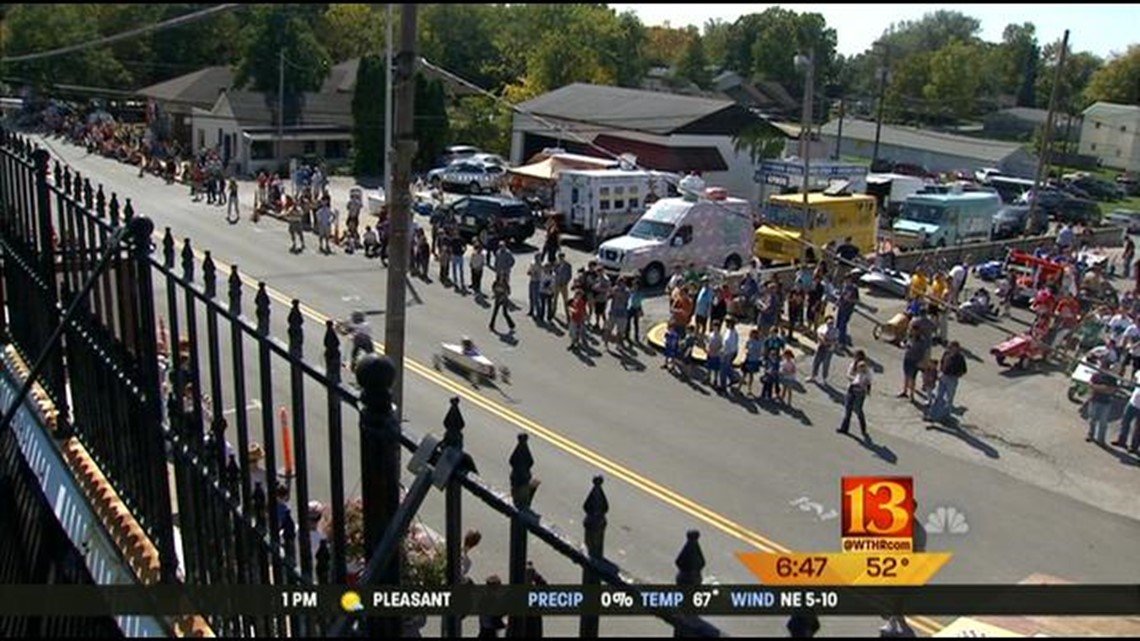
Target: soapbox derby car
{"type": "Point", "coordinates": [471, 363]}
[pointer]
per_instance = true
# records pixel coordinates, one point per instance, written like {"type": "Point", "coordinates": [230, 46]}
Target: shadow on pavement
{"type": "Point", "coordinates": [1123, 456]}
{"type": "Point", "coordinates": [959, 430]}
{"type": "Point", "coordinates": [689, 381]}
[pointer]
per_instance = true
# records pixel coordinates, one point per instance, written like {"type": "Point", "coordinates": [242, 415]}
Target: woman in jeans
{"type": "Point", "coordinates": [635, 310]}
{"type": "Point", "coordinates": [859, 373]}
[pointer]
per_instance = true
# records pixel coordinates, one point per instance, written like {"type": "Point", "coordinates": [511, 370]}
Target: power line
{"type": "Point", "coordinates": [99, 42]}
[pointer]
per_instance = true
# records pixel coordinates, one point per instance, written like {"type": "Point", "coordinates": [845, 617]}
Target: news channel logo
{"type": "Point", "coordinates": [350, 602]}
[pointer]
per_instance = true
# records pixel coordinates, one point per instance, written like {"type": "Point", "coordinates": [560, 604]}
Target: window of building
{"type": "Point", "coordinates": [336, 149]}
{"type": "Point", "coordinates": [261, 150]}
{"type": "Point", "coordinates": [201, 138]}
{"type": "Point", "coordinates": [1092, 146]}
{"type": "Point", "coordinates": [1123, 128]}
{"type": "Point", "coordinates": [310, 147]}
{"type": "Point", "coordinates": [1096, 125]}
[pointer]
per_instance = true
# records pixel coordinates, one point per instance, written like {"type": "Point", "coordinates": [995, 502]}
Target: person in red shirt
{"type": "Point", "coordinates": [578, 312]}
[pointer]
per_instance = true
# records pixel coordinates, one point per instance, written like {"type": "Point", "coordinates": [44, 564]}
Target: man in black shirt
{"type": "Point", "coordinates": [951, 368]}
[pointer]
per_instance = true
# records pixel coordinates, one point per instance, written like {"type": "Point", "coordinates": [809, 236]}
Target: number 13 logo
{"type": "Point", "coordinates": [878, 506]}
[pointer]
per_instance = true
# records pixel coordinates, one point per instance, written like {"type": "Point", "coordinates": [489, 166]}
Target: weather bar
{"type": "Point", "coordinates": [723, 600]}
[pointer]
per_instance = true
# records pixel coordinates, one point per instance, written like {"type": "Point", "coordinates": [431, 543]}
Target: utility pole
{"type": "Point", "coordinates": [807, 63]}
{"type": "Point", "coordinates": [839, 134]}
{"type": "Point", "coordinates": [280, 103]}
{"type": "Point", "coordinates": [400, 208]}
{"type": "Point", "coordinates": [1047, 138]}
{"type": "Point", "coordinates": [389, 155]}
{"type": "Point", "coordinates": [884, 75]}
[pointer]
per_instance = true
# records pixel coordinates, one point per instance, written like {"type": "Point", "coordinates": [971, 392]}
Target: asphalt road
{"type": "Point", "coordinates": [675, 456]}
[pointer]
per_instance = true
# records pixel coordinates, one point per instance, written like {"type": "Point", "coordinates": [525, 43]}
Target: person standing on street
{"type": "Point", "coordinates": [233, 213]}
{"type": "Point", "coordinates": [635, 311]}
{"type": "Point", "coordinates": [826, 336]}
{"type": "Point", "coordinates": [1100, 402]}
{"type": "Point", "coordinates": [958, 275]}
{"type": "Point", "coordinates": [504, 262]}
{"type": "Point", "coordinates": [704, 305]}
{"type": "Point", "coordinates": [501, 290]}
{"type": "Point", "coordinates": [477, 261]}
{"type": "Point", "coordinates": [951, 369]}
{"type": "Point", "coordinates": [845, 309]}
{"type": "Point", "coordinates": [563, 274]}
{"type": "Point", "coordinates": [728, 359]}
{"type": "Point", "coordinates": [458, 247]}
{"type": "Point", "coordinates": [1131, 411]}
{"type": "Point", "coordinates": [296, 229]}
{"type": "Point", "coordinates": [859, 375]}
{"type": "Point", "coordinates": [534, 290]}
{"type": "Point", "coordinates": [324, 227]}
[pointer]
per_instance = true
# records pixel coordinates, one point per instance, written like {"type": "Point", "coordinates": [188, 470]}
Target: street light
{"type": "Point", "coordinates": [805, 63]}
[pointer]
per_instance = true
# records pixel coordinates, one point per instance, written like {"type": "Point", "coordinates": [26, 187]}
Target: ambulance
{"type": "Point", "coordinates": [597, 204]}
{"type": "Point", "coordinates": [703, 226]}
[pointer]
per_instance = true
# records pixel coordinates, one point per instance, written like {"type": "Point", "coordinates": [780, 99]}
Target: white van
{"type": "Point", "coordinates": [703, 227]}
{"type": "Point", "coordinates": [601, 203]}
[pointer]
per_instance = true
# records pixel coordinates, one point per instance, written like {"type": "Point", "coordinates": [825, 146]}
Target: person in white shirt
{"type": "Point", "coordinates": [728, 357]}
{"type": "Point", "coordinates": [1130, 343]}
{"type": "Point", "coordinates": [859, 373]}
{"type": "Point", "coordinates": [826, 335]}
{"type": "Point", "coordinates": [958, 274]}
{"type": "Point", "coordinates": [1131, 411]}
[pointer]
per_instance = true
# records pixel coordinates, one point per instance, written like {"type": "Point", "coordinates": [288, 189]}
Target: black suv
{"type": "Point", "coordinates": [1078, 211]}
{"type": "Point", "coordinates": [473, 214]}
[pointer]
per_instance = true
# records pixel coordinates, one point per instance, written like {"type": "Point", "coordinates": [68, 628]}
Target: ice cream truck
{"type": "Point", "coordinates": [703, 226]}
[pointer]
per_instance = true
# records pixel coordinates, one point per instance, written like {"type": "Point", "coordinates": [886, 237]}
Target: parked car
{"type": "Point", "coordinates": [1049, 200]}
{"type": "Point", "coordinates": [1126, 218]}
{"type": "Point", "coordinates": [475, 213]}
{"type": "Point", "coordinates": [1097, 188]}
{"type": "Point", "coordinates": [457, 152]}
{"type": "Point", "coordinates": [1129, 183]}
{"type": "Point", "coordinates": [1012, 221]}
{"type": "Point", "coordinates": [1079, 211]}
{"type": "Point", "coordinates": [469, 176]}
{"type": "Point", "coordinates": [490, 159]}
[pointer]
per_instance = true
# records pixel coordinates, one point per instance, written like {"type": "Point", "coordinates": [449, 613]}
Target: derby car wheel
{"type": "Point", "coordinates": [505, 375]}
{"type": "Point", "coordinates": [877, 332]}
{"type": "Point", "coordinates": [1000, 360]}
{"type": "Point", "coordinates": [436, 362]}
{"type": "Point", "coordinates": [473, 378]}
{"type": "Point", "coordinates": [1076, 393]}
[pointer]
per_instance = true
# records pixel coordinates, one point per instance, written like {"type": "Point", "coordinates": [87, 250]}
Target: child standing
{"type": "Point", "coordinates": [787, 377]}
{"type": "Point", "coordinates": [753, 354]}
{"type": "Point", "coordinates": [672, 345]}
{"type": "Point", "coordinates": [770, 387]}
{"type": "Point", "coordinates": [578, 311]}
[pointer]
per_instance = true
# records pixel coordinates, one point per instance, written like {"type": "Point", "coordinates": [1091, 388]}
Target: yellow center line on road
{"type": "Point", "coordinates": [614, 468]}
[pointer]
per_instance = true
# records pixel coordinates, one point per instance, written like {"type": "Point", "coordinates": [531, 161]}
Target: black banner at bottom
{"type": "Point", "coordinates": [723, 600]}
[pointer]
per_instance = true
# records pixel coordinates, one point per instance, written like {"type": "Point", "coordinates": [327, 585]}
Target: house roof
{"type": "Point", "coordinates": [342, 79]}
{"type": "Point", "coordinates": [1038, 116]}
{"type": "Point", "coordinates": [254, 110]}
{"type": "Point", "coordinates": [631, 109]}
{"type": "Point", "coordinates": [911, 138]}
{"type": "Point", "coordinates": [1111, 109]}
{"type": "Point", "coordinates": [198, 89]}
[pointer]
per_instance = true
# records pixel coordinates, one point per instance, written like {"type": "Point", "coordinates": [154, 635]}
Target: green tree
{"type": "Point", "coordinates": [368, 117]}
{"type": "Point", "coordinates": [693, 65]}
{"type": "Point", "coordinates": [665, 45]}
{"type": "Point", "coordinates": [1078, 70]}
{"type": "Point", "coordinates": [431, 127]}
{"type": "Point", "coordinates": [1019, 57]}
{"type": "Point", "coordinates": [462, 38]}
{"type": "Point", "coordinates": [761, 140]}
{"type": "Point", "coordinates": [627, 51]}
{"type": "Point", "coordinates": [482, 121]}
{"type": "Point", "coordinates": [716, 35]}
{"type": "Point", "coordinates": [781, 35]}
{"type": "Point", "coordinates": [930, 33]}
{"type": "Point", "coordinates": [1117, 81]}
{"type": "Point", "coordinates": [954, 82]}
{"type": "Point", "coordinates": [33, 28]}
{"type": "Point", "coordinates": [271, 30]}
{"type": "Point", "coordinates": [353, 30]}
{"type": "Point", "coordinates": [904, 95]}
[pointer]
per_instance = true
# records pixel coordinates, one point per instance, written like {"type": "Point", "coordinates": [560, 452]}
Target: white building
{"type": "Point", "coordinates": [1110, 133]}
{"type": "Point", "coordinates": [666, 132]}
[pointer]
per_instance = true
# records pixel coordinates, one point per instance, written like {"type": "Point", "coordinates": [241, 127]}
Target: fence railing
{"type": "Point", "coordinates": [143, 398]}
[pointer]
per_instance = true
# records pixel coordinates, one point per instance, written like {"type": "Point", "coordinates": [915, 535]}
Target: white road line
{"type": "Point", "coordinates": [253, 405]}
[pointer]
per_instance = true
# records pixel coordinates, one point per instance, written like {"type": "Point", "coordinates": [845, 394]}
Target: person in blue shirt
{"type": "Point", "coordinates": [672, 346]}
{"type": "Point", "coordinates": [635, 311]}
{"type": "Point", "coordinates": [753, 355]}
{"type": "Point", "coordinates": [704, 305]}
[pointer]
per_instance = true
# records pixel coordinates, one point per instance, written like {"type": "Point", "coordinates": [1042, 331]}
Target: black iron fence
{"type": "Point", "coordinates": [157, 353]}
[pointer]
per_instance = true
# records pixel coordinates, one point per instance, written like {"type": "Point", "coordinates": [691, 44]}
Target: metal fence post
{"type": "Point", "coordinates": [54, 375]}
{"type": "Point", "coordinates": [336, 458]}
{"type": "Point", "coordinates": [523, 486]}
{"type": "Point", "coordinates": [689, 564]}
{"type": "Point", "coordinates": [596, 506]}
{"type": "Point", "coordinates": [453, 424]}
{"type": "Point", "coordinates": [380, 468]}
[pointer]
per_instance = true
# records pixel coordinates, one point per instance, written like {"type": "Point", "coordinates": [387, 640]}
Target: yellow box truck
{"type": "Point", "coordinates": [788, 229]}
